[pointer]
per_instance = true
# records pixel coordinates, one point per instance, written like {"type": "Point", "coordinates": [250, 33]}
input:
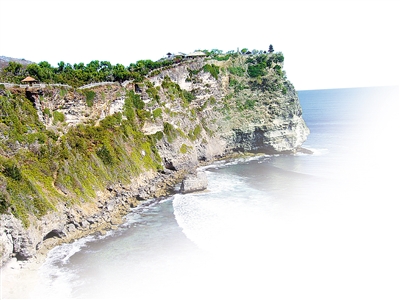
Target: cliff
{"type": "Point", "coordinates": [74, 161]}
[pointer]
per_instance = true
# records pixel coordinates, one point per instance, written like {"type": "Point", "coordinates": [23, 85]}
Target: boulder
{"type": "Point", "coordinates": [6, 247]}
{"type": "Point", "coordinates": [194, 182]}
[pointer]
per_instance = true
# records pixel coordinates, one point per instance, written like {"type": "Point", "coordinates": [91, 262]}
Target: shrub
{"type": "Point", "coordinates": [138, 102]}
{"type": "Point", "coordinates": [222, 57]}
{"type": "Point", "coordinates": [212, 69]}
{"type": "Point", "coordinates": [10, 169]}
{"type": "Point", "coordinates": [58, 117]}
{"type": "Point", "coordinates": [256, 70]}
{"type": "Point", "coordinates": [249, 104]}
{"type": "Point", "coordinates": [133, 106]}
{"type": "Point", "coordinates": [143, 114]}
{"type": "Point", "coordinates": [173, 89]}
{"type": "Point", "coordinates": [153, 93]}
{"type": "Point", "coordinates": [189, 97]}
{"type": "Point", "coordinates": [63, 92]}
{"type": "Point", "coordinates": [47, 111]}
{"type": "Point", "coordinates": [193, 72]}
{"type": "Point", "coordinates": [129, 107]}
{"type": "Point", "coordinates": [90, 98]}
{"type": "Point", "coordinates": [158, 135]}
{"type": "Point", "coordinates": [4, 204]}
{"type": "Point", "coordinates": [184, 149]}
{"type": "Point", "coordinates": [196, 133]}
{"type": "Point", "coordinates": [105, 155]}
{"type": "Point", "coordinates": [157, 113]}
{"type": "Point", "coordinates": [238, 71]}
{"type": "Point", "coordinates": [275, 58]}
{"type": "Point", "coordinates": [170, 132]}
{"type": "Point", "coordinates": [111, 121]}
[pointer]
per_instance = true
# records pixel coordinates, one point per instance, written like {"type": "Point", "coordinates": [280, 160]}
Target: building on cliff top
{"type": "Point", "coordinates": [196, 54]}
{"type": "Point", "coordinates": [29, 80]}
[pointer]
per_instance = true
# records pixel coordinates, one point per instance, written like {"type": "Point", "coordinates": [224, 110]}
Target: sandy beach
{"type": "Point", "coordinates": [14, 272]}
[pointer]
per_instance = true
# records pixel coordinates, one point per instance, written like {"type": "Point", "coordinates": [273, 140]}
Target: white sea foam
{"type": "Point", "coordinates": [55, 282]}
{"type": "Point", "coordinates": [221, 218]}
{"type": "Point", "coordinates": [262, 230]}
{"type": "Point", "coordinates": [64, 252]}
{"type": "Point", "coordinates": [315, 151]}
{"type": "Point", "coordinates": [241, 160]}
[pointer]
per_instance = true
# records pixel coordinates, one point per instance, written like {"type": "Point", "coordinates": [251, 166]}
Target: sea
{"type": "Point", "coordinates": [304, 226]}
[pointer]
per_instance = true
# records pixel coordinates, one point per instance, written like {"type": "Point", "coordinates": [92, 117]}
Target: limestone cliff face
{"type": "Point", "coordinates": [283, 132]}
{"type": "Point", "coordinates": [196, 111]}
{"type": "Point", "coordinates": [271, 121]}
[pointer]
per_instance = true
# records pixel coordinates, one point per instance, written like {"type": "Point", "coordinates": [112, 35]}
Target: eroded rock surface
{"type": "Point", "coordinates": [194, 182]}
{"type": "Point", "coordinates": [223, 113]}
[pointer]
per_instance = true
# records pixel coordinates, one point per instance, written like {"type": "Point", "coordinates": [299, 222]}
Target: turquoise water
{"type": "Point", "coordinates": [321, 226]}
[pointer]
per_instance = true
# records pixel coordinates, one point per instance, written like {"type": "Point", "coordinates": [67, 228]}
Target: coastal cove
{"type": "Point", "coordinates": [285, 225]}
{"type": "Point", "coordinates": [75, 161]}
{"type": "Point", "coordinates": [272, 225]}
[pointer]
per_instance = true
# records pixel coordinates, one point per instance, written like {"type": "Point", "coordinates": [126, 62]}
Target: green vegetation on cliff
{"type": "Point", "coordinates": [79, 74]}
{"type": "Point", "coordinates": [40, 168]}
{"type": "Point", "coordinates": [44, 165]}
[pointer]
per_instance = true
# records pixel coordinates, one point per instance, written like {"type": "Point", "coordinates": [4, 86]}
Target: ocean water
{"type": "Point", "coordinates": [320, 226]}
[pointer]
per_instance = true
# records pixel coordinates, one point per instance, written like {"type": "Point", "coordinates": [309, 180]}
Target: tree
{"type": "Point", "coordinates": [79, 66]}
{"type": "Point", "coordinates": [271, 49]}
{"type": "Point", "coordinates": [93, 66]}
{"type": "Point", "coordinates": [14, 68]}
{"type": "Point", "coordinates": [215, 52]}
{"type": "Point", "coordinates": [35, 71]}
{"type": "Point", "coordinates": [106, 71]}
{"type": "Point", "coordinates": [120, 73]}
{"type": "Point", "coordinates": [140, 67]}
{"type": "Point", "coordinates": [61, 67]}
{"type": "Point", "coordinates": [46, 71]}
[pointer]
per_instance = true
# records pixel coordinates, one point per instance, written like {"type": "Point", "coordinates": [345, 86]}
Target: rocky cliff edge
{"type": "Point", "coordinates": [75, 161]}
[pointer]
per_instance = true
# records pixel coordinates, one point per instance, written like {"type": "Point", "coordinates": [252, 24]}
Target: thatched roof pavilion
{"type": "Point", "coordinates": [29, 80]}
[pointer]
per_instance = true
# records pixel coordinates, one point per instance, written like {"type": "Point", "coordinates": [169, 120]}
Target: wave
{"type": "Point", "coordinates": [64, 252]}
{"type": "Point", "coordinates": [236, 161]}
{"type": "Point", "coordinates": [224, 216]}
{"type": "Point", "coordinates": [243, 204]}
{"type": "Point", "coordinates": [56, 279]}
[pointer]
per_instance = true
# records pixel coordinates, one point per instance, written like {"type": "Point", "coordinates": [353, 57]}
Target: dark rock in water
{"type": "Point", "coordinates": [304, 150]}
{"type": "Point", "coordinates": [194, 182]}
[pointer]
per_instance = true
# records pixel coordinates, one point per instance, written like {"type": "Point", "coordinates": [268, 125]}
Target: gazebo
{"type": "Point", "coordinates": [196, 54]}
{"type": "Point", "coordinates": [29, 80]}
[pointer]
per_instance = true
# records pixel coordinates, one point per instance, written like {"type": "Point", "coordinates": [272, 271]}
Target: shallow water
{"type": "Point", "coordinates": [321, 226]}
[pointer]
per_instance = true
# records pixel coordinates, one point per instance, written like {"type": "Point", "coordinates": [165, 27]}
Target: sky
{"type": "Point", "coordinates": [326, 44]}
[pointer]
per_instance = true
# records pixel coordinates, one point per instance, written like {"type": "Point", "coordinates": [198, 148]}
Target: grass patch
{"type": "Point", "coordinates": [212, 69]}
{"type": "Point", "coordinates": [90, 95]}
{"type": "Point", "coordinates": [185, 149]}
{"type": "Point", "coordinates": [157, 113]}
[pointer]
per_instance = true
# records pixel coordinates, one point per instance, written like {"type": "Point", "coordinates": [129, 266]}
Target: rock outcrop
{"type": "Point", "coordinates": [195, 112]}
{"type": "Point", "coordinates": [194, 183]}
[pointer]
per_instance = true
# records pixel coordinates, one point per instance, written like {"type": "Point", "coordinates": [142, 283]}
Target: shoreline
{"type": "Point", "coordinates": [14, 270]}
